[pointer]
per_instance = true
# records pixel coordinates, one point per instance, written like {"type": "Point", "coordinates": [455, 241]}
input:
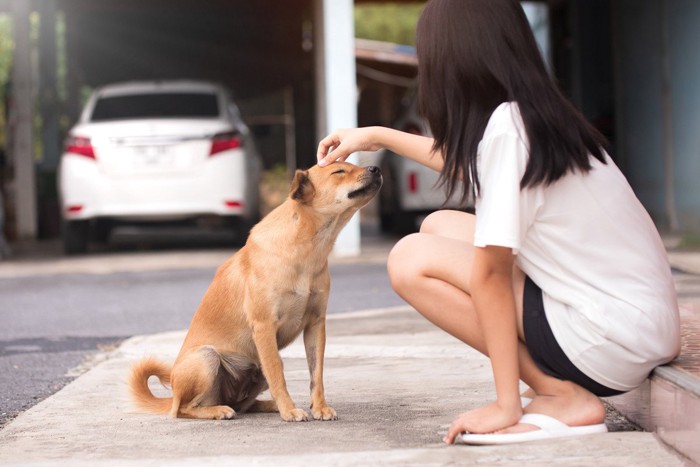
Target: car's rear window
{"type": "Point", "coordinates": [156, 105]}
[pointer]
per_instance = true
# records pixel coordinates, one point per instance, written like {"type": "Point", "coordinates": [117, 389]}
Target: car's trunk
{"type": "Point", "coordinates": [151, 147]}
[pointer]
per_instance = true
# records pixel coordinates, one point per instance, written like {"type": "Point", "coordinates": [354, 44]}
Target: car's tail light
{"type": "Point", "coordinates": [80, 145]}
{"type": "Point", "coordinates": [232, 203]}
{"type": "Point", "coordinates": [412, 182]}
{"type": "Point", "coordinates": [74, 208]}
{"type": "Point", "coordinates": [225, 141]}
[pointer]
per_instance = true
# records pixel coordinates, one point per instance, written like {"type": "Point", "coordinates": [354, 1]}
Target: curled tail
{"type": "Point", "coordinates": [138, 383]}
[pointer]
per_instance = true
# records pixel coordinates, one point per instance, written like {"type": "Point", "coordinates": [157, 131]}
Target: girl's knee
{"type": "Point", "coordinates": [403, 263]}
{"type": "Point", "coordinates": [433, 222]}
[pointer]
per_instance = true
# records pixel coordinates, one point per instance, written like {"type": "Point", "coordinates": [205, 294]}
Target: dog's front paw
{"type": "Point", "coordinates": [324, 413]}
{"type": "Point", "coordinates": [295, 415]}
{"type": "Point", "coordinates": [223, 412]}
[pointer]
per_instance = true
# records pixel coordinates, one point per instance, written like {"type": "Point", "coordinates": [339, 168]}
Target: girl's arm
{"type": "Point", "coordinates": [492, 295]}
{"type": "Point", "coordinates": [341, 143]}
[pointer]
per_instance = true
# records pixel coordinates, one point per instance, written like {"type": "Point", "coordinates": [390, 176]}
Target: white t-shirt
{"type": "Point", "coordinates": [591, 247]}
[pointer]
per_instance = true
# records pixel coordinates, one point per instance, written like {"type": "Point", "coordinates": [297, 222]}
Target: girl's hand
{"type": "Point", "coordinates": [487, 419]}
{"type": "Point", "coordinates": [341, 143]}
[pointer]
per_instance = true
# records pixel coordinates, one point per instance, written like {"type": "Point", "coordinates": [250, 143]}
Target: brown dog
{"type": "Point", "coordinates": [260, 300]}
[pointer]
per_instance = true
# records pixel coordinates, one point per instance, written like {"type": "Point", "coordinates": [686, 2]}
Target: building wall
{"type": "Point", "coordinates": [659, 141]}
{"type": "Point", "coordinates": [684, 29]}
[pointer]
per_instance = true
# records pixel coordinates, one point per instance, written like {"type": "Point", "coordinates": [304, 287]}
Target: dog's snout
{"type": "Point", "coordinates": [373, 169]}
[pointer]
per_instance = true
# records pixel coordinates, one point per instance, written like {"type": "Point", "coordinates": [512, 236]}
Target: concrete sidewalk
{"type": "Point", "coordinates": [394, 379]}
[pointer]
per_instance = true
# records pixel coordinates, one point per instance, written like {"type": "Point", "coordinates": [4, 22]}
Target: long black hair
{"type": "Point", "coordinates": [474, 55]}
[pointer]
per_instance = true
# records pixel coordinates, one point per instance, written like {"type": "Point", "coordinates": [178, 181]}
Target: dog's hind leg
{"type": "Point", "coordinates": [264, 406]}
{"type": "Point", "coordinates": [242, 381]}
{"type": "Point", "coordinates": [196, 386]}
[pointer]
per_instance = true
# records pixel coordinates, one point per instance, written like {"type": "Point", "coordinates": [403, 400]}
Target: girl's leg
{"type": "Point", "coordinates": [431, 271]}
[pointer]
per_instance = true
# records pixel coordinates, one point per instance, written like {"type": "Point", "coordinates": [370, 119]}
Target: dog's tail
{"type": "Point", "coordinates": [138, 383]}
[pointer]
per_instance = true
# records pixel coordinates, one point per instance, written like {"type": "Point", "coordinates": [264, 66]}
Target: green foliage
{"type": "Point", "coordinates": [6, 49]}
{"type": "Point", "coordinates": [274, 188]}
{"type": "Point", "coordinates": [389, 22]}
{"type": "Point", "coordinates": [690, 241]}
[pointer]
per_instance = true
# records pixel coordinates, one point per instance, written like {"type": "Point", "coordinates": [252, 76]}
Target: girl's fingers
{"type": "Point", "coordinates": [327, 145]}
{"type": "Point", "coordinates": [336, 154]}
{"type": "Point", "coordinates": [452, 433]}
{"type": "Point", "coordinates": [340, 144]}
{"type": "Point", "coordinates": [330, 158]}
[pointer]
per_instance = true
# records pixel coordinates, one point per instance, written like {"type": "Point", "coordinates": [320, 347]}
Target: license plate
{"type": "Point", "coordinates": [153, 156]}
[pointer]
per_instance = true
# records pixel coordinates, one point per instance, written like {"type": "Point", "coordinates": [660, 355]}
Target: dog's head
{"type": "Point", "coordinates": [336, 188]}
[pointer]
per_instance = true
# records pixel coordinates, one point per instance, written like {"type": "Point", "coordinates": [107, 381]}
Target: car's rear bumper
{"type": "Point", "coordinates": [218, 187]}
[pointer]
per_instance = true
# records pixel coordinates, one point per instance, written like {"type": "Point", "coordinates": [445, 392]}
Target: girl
{"type": "Point", "coordinates": [560, 278]}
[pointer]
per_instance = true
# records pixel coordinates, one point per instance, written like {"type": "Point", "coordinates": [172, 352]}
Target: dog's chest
{"type": "Point", "coordinates": [294, 308]}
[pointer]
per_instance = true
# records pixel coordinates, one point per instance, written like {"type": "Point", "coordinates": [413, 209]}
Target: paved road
{"type": "Point", "coordinates": [52, 322]}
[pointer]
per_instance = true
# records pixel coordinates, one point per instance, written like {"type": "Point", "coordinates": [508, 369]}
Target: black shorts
{"type": "Point", "coordinates": [544, 349]}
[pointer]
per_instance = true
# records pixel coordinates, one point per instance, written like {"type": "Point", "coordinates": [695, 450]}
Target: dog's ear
{"type": "Point", "coordinates": [302, 189]}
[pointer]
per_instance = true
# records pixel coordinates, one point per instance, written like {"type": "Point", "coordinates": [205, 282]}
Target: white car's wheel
{"type": "Point", "coordinates": [75, 236]}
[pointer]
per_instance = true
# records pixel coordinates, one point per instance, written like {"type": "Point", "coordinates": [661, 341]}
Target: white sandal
{"type": "Point", "coordinates": [549, 428]}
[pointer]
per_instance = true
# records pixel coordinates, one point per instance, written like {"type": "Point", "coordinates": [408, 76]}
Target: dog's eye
{"type": "Point", "coordinates": [341, 171]}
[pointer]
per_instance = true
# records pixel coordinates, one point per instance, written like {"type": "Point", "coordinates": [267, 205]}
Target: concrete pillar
{"type": "Point", "coordinates": [667, 118]}
{"type": "Point", "coordinates": [336, 88]}
{"type": "Point", "coordinates": [48, 99]}
{"type": "Point", "coordinates": [22, 151]}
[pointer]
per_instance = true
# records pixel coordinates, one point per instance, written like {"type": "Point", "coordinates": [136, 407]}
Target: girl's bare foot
{"type": "Point", "coordinates": [573, 406]}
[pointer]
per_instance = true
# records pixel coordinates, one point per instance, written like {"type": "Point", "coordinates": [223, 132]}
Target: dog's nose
{"type": "Point", "coordinates": [373, 169]}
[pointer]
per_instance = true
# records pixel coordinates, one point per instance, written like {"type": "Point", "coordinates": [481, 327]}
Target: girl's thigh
{"type": "Point", "coordinates": [444, 250]}
{"type": "Point", "coordinates": [449, 223]}
{"type": "Point", "coordinates": [420, 255]}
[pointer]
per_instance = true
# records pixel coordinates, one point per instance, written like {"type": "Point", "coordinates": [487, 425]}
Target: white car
{"type": "Point", "coordinates": [410, 191]}
{"type": "Point", "coordinates": [157, 151]}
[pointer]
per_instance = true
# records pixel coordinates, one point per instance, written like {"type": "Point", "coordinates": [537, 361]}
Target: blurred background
{"type": "Point", "coordinates": [631, 66]}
